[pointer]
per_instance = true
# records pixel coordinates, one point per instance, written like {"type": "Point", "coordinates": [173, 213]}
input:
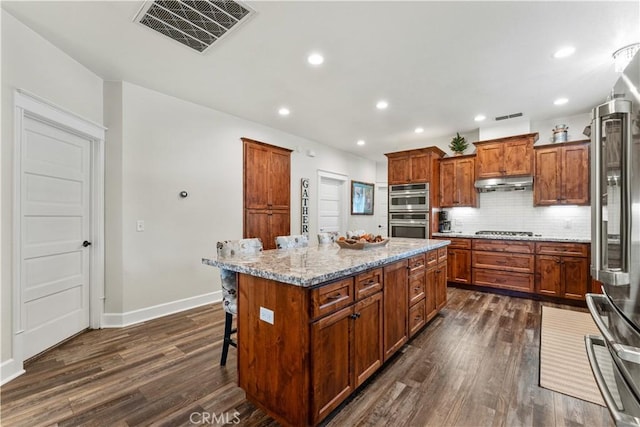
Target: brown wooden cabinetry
{"type": "Point", "coordinates": [417, 292]}
{"type": "Point", "coordinates": [511, 156]}
{"type": "Point", "coordinates": [561, 174]}
{"type": "Point", "coordinates": [562, 269]}
{"type": "Point", "coordinates": [459, 260]}
{"type": "Point", "coordinates": [503, 264]}
{"type": "Point", "coordinates": [395, 307]}
{"type": "Point", "coordinates": [457, 176]}
{"type": "Point", "coordinates": [267, 175]}
{"type": "Point", "coordinates": [412, 165]}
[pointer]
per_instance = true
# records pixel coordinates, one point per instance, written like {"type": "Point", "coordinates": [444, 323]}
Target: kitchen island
{"type": "Point", "coordinates": [314, 323]}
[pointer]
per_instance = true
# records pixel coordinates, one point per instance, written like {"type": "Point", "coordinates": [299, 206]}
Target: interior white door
{"type": "Point", "coordinates": [331, 206]}
{"type": "Point", "coordinates": [382, 208]}
{"type": "Point", "coordinates": [55, 221]}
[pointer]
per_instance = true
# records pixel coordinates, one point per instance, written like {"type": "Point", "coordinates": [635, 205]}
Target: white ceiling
{"type": "Point", "coordinates": [438, 64]}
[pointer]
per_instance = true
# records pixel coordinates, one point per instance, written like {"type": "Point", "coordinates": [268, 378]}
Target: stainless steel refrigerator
{"type": "Point", "coordinates": [615, 247]}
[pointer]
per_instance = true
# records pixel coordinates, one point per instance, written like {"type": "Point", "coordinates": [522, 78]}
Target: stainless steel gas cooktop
{"type": "Point", "coordinates": [504, 233]}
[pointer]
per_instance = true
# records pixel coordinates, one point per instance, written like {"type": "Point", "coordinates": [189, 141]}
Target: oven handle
{"type": "Point", "coordinates": [410, 223]}
{"type": "Point", "coordinates": [625, 352]}
{"type": "Point", "coordinates": [621, 418]}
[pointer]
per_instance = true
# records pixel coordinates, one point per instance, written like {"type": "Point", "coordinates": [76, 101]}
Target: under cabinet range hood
{"type": "Point", "coordinates": [504, 184]}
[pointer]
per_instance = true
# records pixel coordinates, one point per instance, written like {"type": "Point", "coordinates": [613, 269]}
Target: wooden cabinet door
{"type": "Point", "coordinates": [549, 275]}
{"type": "Point", "coordinates": [395, 307]}
{"type": "Point", "coordinates": [257, 223]}
{"type": "Point", "coordinates": [575, 277]}
{"type": "Point", "coordinates": [367, 337]}
{"type": "Point", "coordinates": [331, 352]}
{"type": "Point", "coordinates": [459, 265]}
{"type": "Point", "coordinates": [518, 157]}
{"type": "Point", "coordinates": [256, 168]}
{"type": "Point", "coordinates": [575, 174]}
{"type": "Point", "coordinates": [441, 285]}
{"type": "Point", "coordinates": [490, 160]}
{"type": "Point", "coordinates": [465, 178]}
{"type": "Point", "coordinates": [431, 282]}
{"type": "Point", "coordinates": [420, 166]}
{"type": "Point", "coordinates": [447, 184]}
{"type": "Point", "coordinates": [278, 179]}
{"type": "Point", "coordinates": [547, 187]}
{"type": "Point", "coordinates": [279, 222]}
{"type": "Point", "coordinates": [399, 170]}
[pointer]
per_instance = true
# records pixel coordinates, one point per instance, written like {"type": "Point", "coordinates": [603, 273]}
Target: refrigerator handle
{"type": "Point", "coordinates": [620, 109]}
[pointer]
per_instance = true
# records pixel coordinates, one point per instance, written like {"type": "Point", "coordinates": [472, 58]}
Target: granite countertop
{"type": "Point", "coordinates": [310, 266]}
{"type": "Point", "coordinates": [534, 238]}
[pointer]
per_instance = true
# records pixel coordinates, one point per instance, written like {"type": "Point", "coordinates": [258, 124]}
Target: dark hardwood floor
{"type": "Point", "coordinates": [475, 364]}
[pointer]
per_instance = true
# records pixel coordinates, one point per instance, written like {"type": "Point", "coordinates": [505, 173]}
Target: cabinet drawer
{"type": "Point", "coordinates": [442, 254]}
{"type": "Point", "coordinates": [503, 261]}
{"type": "Point", "coordinates": [417, 318]}
{"type": "Point", "coordinates": [416, 289]}
{"type": "Point", "coordinates": [416, 264]}
{"type": "Point", "coordinates": [332, 297]}
{"type": "Point", "coordinates": [504, 246]}
{"type": "Point", "coordinates": [568, 249]}
{"type": "Point", "coordinates": [368, 283]}
{"type": "Point", "coordinates": [432, 258]}
{"type": "Point", "coordinates": [458, 243]}
{"type": "Point", "coordinates": [502, 279]}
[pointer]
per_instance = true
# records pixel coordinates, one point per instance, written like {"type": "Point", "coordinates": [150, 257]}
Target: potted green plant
{"type": "Point", "coordinates": [458, 144]}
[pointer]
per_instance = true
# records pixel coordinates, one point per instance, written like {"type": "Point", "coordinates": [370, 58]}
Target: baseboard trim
{"type": "Point", "coordinates": [120, 320]}
{"type": "Point", "coordinates": [9, 370]}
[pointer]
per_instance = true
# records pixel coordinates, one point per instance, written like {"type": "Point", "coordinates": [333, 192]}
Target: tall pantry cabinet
{"type": "Point", "coordinates": [267, 199]}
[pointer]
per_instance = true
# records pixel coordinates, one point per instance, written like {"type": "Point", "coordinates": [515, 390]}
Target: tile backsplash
{"type": "Point", "coordinates": [514, 211]}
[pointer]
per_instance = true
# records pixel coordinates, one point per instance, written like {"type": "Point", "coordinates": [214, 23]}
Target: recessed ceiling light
{"type": "Point", "coordinates": [419, 130]}
{"type": "Point", "coordinates": [479, 118]}
{"type": "Point", "coordinates": [381, 105]}
{"type": "Point", "coordinates": [315, 59]}
{"type": "Point", "coordinates": [560, 101]}
{"type": "Point", "coordinates": [360, 142]}
{"type": "Point", "coordinates": [564, 52]}
{"type": "Point", "coordinates": [284, 111]}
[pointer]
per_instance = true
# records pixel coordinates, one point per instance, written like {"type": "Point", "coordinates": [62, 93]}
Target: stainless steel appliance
{"type": "Point", "coordinates": [409, 224]}
{"type": "Point", "coordinates": [519, 183]}
{"type": "Point", "coordinates": [409, 197]}
{"type": "Point", "coordinates": [615, 248]}
{"type": "Point", "coordinates": [503, 233]}
{"type": "Point", "coordinates": [444, 224]}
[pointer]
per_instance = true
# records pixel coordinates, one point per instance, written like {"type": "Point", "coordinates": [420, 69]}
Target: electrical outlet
{"type": "Point", "coordinates": [139, 225]}
{"type": "Point", "coordinates": [266, 315]}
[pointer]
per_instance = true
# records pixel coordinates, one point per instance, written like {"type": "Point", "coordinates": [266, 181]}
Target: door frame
{"type": "Point", "coordinates": [28, 105]}
{"type": "Point", "coordinates": [345, 197]}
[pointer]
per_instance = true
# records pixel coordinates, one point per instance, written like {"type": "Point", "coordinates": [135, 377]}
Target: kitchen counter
{"type": "Point", "coordinates": [534, 238]}
{"type": "Point", "coordinates": [310, 266]}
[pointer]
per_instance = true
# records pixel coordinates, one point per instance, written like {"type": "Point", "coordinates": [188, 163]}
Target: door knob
{"type": "Point", "coordinates": [86, 243]}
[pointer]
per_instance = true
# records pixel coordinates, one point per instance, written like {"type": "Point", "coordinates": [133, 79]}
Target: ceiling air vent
{"type": "Point", "coordinates": [509, 116]}
{"type": "Point", "coordinates": [194, 23]}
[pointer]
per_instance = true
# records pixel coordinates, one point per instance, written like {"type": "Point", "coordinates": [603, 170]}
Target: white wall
{"type": "Point", "coordinates": [168, 145]}
{"type": "Point", "coordinates": [30, 62]}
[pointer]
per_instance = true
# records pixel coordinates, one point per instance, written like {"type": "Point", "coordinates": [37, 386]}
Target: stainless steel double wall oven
{"type": "Point", "coordinates": [409, 210]}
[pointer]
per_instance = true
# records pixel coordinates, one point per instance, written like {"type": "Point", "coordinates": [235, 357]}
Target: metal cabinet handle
{"type": "Point", "coordinates": [336, 296]}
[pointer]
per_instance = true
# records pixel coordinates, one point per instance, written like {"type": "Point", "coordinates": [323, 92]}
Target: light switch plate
{"type": "Point", "coordinates": [140, 225]}
{"type": "Point", "coordinates": [266, 315]}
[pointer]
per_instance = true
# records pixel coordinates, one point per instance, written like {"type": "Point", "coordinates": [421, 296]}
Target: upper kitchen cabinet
{"type": "Point", "coordinates": [267, 176]}
{"type": "Point", "coordinates": [561, 174]}
{"type": "Point", "coordinates": [511, 156]}
{"type": "Point", "coordinates": [413, 165]}
{"type": "Point", "coordinates": [457, 176]}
